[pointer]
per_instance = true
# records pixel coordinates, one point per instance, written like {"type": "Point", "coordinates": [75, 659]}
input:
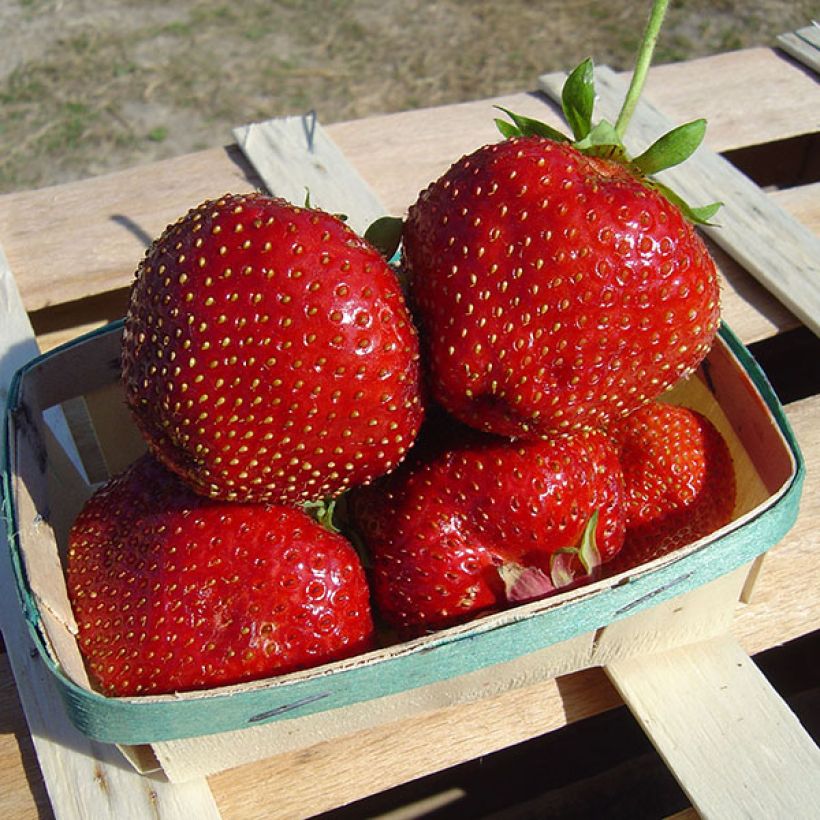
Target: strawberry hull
{"type": "Point", "coordinates": [54, 459]}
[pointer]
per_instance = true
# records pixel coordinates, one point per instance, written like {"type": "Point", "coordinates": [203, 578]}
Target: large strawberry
{"type": "Point", "coordinates": [679, 480]}
{"type": "Point", "coordinates": [487, 522]}
{"type": "Point", "coordinates": [268, 353]}
{"type": "Point", "coordinates": [173, 591]}
{"type": "Point", "coordinates": [557, 286]}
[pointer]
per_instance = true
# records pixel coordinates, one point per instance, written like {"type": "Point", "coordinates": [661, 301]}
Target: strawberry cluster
{"type": "Point", "coordinates": [493, 434]}
{"type": "Point", "coordinates": [270, 361]}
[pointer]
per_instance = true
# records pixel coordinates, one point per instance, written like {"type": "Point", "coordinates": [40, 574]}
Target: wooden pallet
{"type": "Point", "coordinates": [75, 278]}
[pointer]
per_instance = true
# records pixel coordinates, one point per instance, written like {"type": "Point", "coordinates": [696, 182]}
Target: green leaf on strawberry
{"type": "Point", "coordinates": [673, 148]}
{"type": "Point", "coordinates": [322, 512]}
{"type": "Point", "coordinates": [700, 215]}
{"type": "Point", "coordinates": [472, 523]}
{"type": "Point", "coordinates": [522, 126]}
{"type": "Point", "coordinates": [561, 563]}
{"type": "Point", "coordinates": [578, 99]}
{"type": "Point", "coordinates": [602, 141]}
{"type": "Point", "coordinates": [528, 583]}
{"type": "Point", "coordinates": [385, 235]}
{"type": "Point", "coordinates": [605, 140]}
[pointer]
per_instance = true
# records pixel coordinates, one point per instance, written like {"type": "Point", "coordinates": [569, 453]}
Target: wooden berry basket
{"type": "Point", "coordinates": [48, 476]}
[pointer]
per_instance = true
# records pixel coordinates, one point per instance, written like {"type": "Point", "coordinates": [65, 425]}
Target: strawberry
{"type": "Point", "coordinates": [486, 522]}
{"type": "Point", "coordinates": [173, 591]}
{"type": "Point", "coordinates": [268, 353]}
{"type": "Point", "coordinates": [557, 286]}
{"type": "Point", "coordinates": [679, 480]}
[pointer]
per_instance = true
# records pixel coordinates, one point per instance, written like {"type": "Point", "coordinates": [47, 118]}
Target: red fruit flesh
{"type": "Point", "coordinates": [442, 527]}
{"type": "Point", "coordinates": [555, 291]}
{"type": "Point", "coordinates": [268, 353]}
{"type": "Point", "coordinates": [679, 480]}
{"type": "Point", "coordinates": [173, 591]}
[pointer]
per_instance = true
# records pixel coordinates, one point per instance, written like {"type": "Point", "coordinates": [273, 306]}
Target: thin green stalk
{"type": "Point", "coordinates": [642, 63]}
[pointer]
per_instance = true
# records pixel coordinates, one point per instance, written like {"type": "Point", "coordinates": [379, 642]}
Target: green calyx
{"type": "Point", "coordinates": [605, 140]}
{"type": "Point", "coordinates": [528, 583]}
{"type": "Point", "coordinates": [586, 552]}
{"type": "Point", "coordinates": [321, 512]}
{"type": "Point", "coordinates": [385, 235]}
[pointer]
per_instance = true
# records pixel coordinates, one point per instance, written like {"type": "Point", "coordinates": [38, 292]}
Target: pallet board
{"type": "Point", "coordinates": [803, 45]}
{"type": "Point", "coordinates": [746, 754]}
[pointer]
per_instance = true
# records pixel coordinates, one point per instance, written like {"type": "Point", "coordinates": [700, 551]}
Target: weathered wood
{"type": "Point", "coordinates": [331, 774]}
{"type": "Point", "coordinates": [752, 312]}
{"type": "Point", "coordinates": [749, 97]}
{"type": "Point", "coordinates": [396, 154]}
{"type": "Point", "coordinates": [86, 779]}
{"type": "Point", "coordinates": [297, 160]}
{"type": "Point", "coordinates": [780, 252]}
{"type": "Point", "coordinates": [122, 213]}
{"type": "Point", "coordinates": [786, 601]}
{"type": "Point", "coordinates": [803, 45]}
{"type": "Point", "coordinates": [786, 605]}
{"type": "Point", "coordinates": [732, 743]}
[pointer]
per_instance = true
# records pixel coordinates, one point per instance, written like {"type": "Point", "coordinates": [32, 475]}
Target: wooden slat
{"type": "Point", "coordinates": [786, 605]}
{"type": "Point", "coordinates": [275, 148]}
{"type": "Point", "coordinates": [803, 45]}
{"type": "Point", "coordinates": [749, 97]}
{"type": "Point", "coordinates": [397, 154]}
{"type": "Point", "coordinates": [23, 794]}
{"type": "Point", "coordinates": [17, 344]}
{"type": "Point", "coordinates": [86, 779]}
{"type": "Point", "coordinates": [750, 310]}
{"type": "Point", "coordinates": [57, 257]}
{"type": "Point", "coordinates": [786, 601]}
{"type": "Point", "coordinates": [331, 774]}
{"type": "Point", "coordinates": [781, 253]}
{"type": "Point", "coordinates": [732, 743]}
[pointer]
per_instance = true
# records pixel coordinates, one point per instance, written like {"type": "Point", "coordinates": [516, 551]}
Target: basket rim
{"type": "Point", "coordinates": [148, 719]}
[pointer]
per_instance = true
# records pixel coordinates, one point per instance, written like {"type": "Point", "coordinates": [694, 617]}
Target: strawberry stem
{"type": "Point", "coordinates": [642, 63]}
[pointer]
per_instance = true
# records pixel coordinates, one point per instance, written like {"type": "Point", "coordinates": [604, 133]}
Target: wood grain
{"type": "Point", "coordinates": [121, 213]}
{"type": "Point", "coordinates": [82, 778]}
{"type": "Point", "coordinates": [803, 45]}
{"type": "Point", "coordinates": [397, 154]}
{"type": "Point", "coordinates": [296, 159]}
{"type": "Point", "coordinates": [732, 743]}
{"type": "Point", "coordinates": [749, 97]}
{"type": "Point", "coordinates": [338, 772]}
{"type": "Point", "coordinates": [22, 790]}
{"type": "Point", "coordinates": [786, 601]}
{"type": "Point", "coordinates": [786, 605]}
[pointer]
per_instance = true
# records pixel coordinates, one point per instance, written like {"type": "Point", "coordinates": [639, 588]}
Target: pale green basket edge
{"type": "Point", "coordinates": [135, 721]}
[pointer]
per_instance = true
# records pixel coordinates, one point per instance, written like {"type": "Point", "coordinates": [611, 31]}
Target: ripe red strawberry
{"type": "Point", "coordinates": [173, 591]}
{"type": "Point", "coordinates": [268, 353]}
{"type": "Point", "coordinates": [488, 522]}
{"type": "Point", "coordinates": [554, 290]}
{"type": "Point", "coordinates": [679, 480]}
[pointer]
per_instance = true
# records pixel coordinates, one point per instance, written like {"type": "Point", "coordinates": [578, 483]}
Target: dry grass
{"type": "Point", "coordinates": [88, 87]}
